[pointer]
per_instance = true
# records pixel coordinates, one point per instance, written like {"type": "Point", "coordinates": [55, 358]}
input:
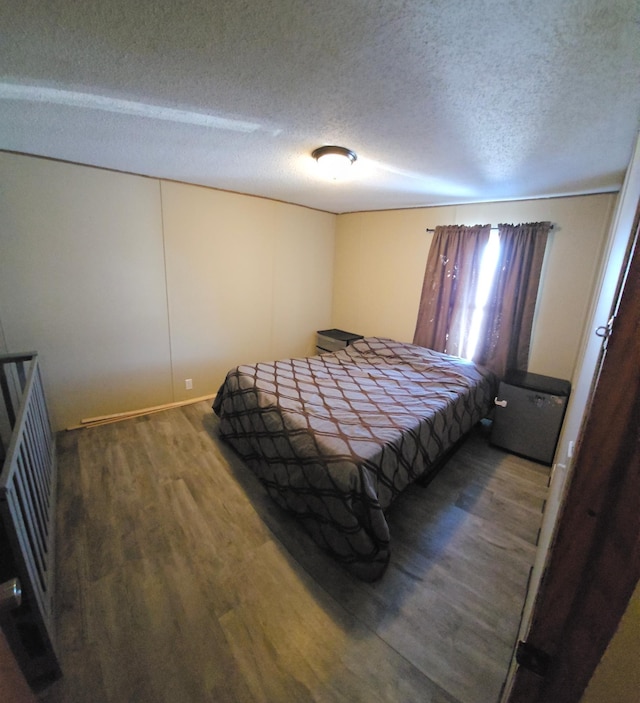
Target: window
{"type": "Point", "coordinates": [474, 273]}
{"type": "Point", "coordinates": [488, 266]}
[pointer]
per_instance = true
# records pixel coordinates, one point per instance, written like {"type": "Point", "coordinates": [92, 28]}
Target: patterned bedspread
{"type": "Point", "coordinates": [335, 438]}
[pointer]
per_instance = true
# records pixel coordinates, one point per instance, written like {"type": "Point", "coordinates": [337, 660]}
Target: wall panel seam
{"type": "Point", "coordinates": [166, 291]}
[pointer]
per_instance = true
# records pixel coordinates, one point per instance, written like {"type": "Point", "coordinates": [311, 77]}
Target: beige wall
{"type": "Point", "coordinates": [617, 677]}
{"type": "Point", "coordinates": [248, 279]}
{"type": "Point", "coordinates": [126, 285]}
{"type": "Point", "coordinates": [380, 261]}
{"type": "Point", "coordinates": [82, 283]}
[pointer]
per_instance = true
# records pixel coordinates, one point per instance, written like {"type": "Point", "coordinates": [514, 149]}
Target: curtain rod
{"type": "Point", "coordinates": [493, 229]}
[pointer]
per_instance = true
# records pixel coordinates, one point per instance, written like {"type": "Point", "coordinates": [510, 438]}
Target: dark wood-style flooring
{"type": "Point", "coordinates": [179, 581]}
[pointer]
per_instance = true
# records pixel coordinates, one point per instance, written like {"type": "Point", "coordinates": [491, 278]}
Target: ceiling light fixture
{"type": "Point", "coordinates": [334, 160]}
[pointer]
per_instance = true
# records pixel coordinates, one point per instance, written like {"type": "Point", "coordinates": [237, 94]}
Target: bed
{"type": "Point", "coordinates": [335, 438]}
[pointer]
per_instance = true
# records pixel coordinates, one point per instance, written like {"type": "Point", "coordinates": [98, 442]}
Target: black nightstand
{"type": "Point", "coordinates": [333, 340]}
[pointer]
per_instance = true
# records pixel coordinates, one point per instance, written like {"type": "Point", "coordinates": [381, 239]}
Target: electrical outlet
{"type": "Point", "coordinates": [188, 384]}
{"type": "Point", "coordinates": [570, 449]}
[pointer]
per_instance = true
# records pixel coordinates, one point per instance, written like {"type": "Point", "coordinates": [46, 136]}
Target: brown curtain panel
{"type": "Point", "coordinates": [449, 287]}
{"type": "Point", "coordinates": [506, 334]}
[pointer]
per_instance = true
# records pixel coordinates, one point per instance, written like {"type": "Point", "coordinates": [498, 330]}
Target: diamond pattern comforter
{"type": "Point", "coordinates": [335, 438]}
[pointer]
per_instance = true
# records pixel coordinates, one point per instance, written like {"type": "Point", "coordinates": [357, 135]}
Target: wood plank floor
{"type": "Point", "coordinates": [179, 580]}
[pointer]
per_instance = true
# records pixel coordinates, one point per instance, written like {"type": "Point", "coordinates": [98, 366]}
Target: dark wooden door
{"type": "Point", "coordinates": [594, 564]}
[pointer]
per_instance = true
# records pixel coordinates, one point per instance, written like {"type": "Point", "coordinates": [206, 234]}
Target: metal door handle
{"type": "Point", "coordinates": [501, 403]}
{"type": "Point", "coordinates": [604, 331]}
{"type": "Point", "coordinates": [10, 595]}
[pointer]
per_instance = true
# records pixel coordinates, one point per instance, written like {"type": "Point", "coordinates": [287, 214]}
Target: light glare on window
{"type": "Point", "coordinates": [488, 266]}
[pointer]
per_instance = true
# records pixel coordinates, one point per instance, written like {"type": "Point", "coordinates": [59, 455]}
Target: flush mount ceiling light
{"type": "Point", "coordinates": [334, 160]}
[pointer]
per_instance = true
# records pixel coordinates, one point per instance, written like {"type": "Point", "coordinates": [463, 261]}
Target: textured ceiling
{"type": "Point", "coordinates": [444, 102]}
